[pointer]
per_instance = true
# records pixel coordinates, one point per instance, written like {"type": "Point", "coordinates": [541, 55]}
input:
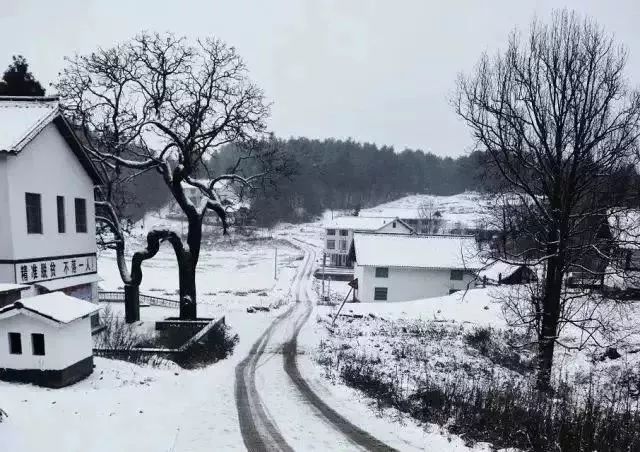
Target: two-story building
{"type": "Point", "coordinates": [47, 219]}
{"type": "Point", "coordinates": [401, 267]}
{"type": "Point", "coordinates": [339, 235]}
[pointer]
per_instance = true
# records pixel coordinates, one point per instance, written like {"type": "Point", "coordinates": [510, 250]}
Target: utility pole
{"type": "Point", "coordinates": [324, 264]}
{"type": "Point", "coordinates": [275, 264]}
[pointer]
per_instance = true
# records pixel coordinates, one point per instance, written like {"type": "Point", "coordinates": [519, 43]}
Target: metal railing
{"type": "Point", "coordinates": [118, 296]}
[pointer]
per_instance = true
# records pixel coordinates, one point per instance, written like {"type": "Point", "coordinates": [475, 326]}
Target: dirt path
{"type": "Point", "coordinates": [290, 415]}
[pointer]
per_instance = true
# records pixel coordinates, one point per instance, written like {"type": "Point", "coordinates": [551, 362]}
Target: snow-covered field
{"type": "Point", "coordinates": [465, 210]}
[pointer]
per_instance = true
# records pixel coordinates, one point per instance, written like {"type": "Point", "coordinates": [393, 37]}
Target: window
{"type": "Point", "coordinates": [343, 245]}
{"type": "Point", "coordinates": [15, 344]}
{"type": "Point", "coordinates": [34, 213]}
{"type": "Point", "coordinates": [394, 225]}
{"type": "Point", "coordinates": [331, 232]}
{"type": "Point", "coordinates": [344, 232]}
{"type": "Point", "coordinates": [37, 344]}
{"type": "Point", "coordinates": [61, 219]}
{"type": "Point", "coordinates": [380, 294]}
{"type": "Point", "coordinates": [456, 275]}
{"type": "Point", "coordinates": [331, 244]}
{"type": "Point", "coordinates": [81, 215]}
{"type": "Point", "coordinates": [382, 272]}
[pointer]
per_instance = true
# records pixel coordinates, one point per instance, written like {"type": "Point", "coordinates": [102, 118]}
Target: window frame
{"type": "Point", "coordinates": [80, 207]}
{"type": "Point", "coordinates": [34, 224]}
{"type": "Point", "coordinates": [35, 347]}
{"type": "Point", "coordinates": [344, 232]}
{"type": "Point", "coordinates": [331, 232]}
{"type": "Point", "coordinates": [331, 244]}
{"type": "Point", "coordinates": [377, 291]}
{"type": "Point", "coordinates": [13, 350]}
{"type": "Point", "coordinates": [456, 272]}
{"type": "Point", "coordinates": [380, 273]}
{"type": "Point", "coordinates": [61, 215]}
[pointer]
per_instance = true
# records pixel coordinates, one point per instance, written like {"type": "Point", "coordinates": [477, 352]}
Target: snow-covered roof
{"type": "Point", "coordinates": [21, 120]}
{"type": "Point", "coordinates": [56, 306]}
{"type": "Point", "coordinates": [6, 287]}
{"type": "Point", "coordinates": [359, 223]}
{"type": "Point", "coordinates": [498, 269]}
{"type": "Point", "coordinates": [417, 251]}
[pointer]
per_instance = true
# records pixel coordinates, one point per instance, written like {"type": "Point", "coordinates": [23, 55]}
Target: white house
{"type": "Point", "coordinates": [47, 220]}
{"type": "Point", "coordinates": [404, 267]}
{"type": "Point", "coordinates": [46, 340]}
{"type": "Point", "coordinates": [339, 235]}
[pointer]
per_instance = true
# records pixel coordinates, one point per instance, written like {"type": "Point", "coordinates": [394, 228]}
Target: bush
{"type": "Point", "coordinates": [217, 344]}
{"type": "Point", "coordinates": [498, 350]}
{"type": "Point", "coordinates": [479, 338]}
{"type": "Point", "coordinates": [3, 415]}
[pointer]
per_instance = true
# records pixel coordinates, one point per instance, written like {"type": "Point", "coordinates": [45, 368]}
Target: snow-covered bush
{"type": "Point", "coordinates": [3, 414]}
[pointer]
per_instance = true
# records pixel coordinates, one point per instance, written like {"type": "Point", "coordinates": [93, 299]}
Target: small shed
{"type": "Point", "coordinates": [46, 340]}
{"type": "Point", "coordinates": [507, 273]}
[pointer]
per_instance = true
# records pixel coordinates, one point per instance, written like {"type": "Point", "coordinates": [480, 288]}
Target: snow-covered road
{"type": "Point", "coordinates": [277, 408]}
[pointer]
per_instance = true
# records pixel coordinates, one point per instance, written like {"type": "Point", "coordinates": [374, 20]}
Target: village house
{"type": "Point", "coordinates": [390, 267]}
{"type": "Point", "coordinates": [46, 340]}
{"type": "Point", "coordinates": [47, 238]}
{"type": "Point", "coordinates": [339, 235]}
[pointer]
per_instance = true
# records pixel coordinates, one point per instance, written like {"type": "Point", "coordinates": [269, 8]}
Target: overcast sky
{"type": "Point", "coordinates": [377, 71]}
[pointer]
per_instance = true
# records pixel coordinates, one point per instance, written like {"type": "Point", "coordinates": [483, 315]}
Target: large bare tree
{"type": "Point", "coordinates": [160, 103]}
{"type": "Point", "coordinates": [558, 122]}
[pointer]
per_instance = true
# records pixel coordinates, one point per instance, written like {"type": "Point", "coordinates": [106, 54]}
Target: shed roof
{"type": "Point", "coordinates": [10, 287]}
{"type": "Point", "coordinates": [360, 223]}
{"type": "Point", "coordinates": [56, 306]}
{"type": "Point", "coordinates": [496, 270]}
{"type": "Point", "coordinates": [23, 118]}
{"type": "Point", "coordinates": [417, 251]}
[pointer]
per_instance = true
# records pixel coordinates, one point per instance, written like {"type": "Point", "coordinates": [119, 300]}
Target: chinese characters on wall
{"type": "Point", "coordinates": [44, 270]}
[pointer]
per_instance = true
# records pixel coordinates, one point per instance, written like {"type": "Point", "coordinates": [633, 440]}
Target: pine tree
{"type": "Point", "coordinates": [18, 81]}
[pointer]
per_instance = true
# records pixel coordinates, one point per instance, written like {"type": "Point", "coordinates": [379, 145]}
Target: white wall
{"type": "Point", "coordinates": [387, 229]}
{"type": "Point", "coordinates": [399, 229]}
{"type": "Point", "coordinates": [6, 243]}
{"type": "Point", "coordinates": [47, 166]}
{"type": "Point", "coordinates": [406, 284]}
{"type": "Point", "coordinates": [64, 346]}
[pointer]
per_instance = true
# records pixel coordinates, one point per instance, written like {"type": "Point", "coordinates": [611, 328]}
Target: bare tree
{"type": "Point", "coordinates": [558, 122]}
{"type": "Point", "coordinates": [159, 103]}
{"type": "Point", "coordinates": [431, 218]}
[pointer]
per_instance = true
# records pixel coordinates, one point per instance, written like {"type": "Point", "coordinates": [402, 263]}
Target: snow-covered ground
{"type": "Point", "coordinates": [123, 406]}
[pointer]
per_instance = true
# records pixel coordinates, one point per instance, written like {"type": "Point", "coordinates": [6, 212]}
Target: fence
{"type": "Point", "coordinates": [118, 296]}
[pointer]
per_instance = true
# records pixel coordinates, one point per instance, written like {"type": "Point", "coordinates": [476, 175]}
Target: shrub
{"type": "Point", "coordinates": [506, 415]}
{"type": "Point", "coordinates": [479, 338]}
{"type": "Point", "coordinates": [3, 415]}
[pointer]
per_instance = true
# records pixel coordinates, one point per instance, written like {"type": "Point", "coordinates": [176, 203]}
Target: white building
{"type": "Point", "coordinates": [339, 235]}
{"type": "Point", "coordinates": [47, 220]}
{"type": "Point", "coordinates": [46, 340]}
{"type": "Point", "coordinates": [408, 267]}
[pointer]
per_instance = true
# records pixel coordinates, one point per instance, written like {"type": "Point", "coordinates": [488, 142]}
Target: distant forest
{"type": "Point", "coordinates": [336, 174]}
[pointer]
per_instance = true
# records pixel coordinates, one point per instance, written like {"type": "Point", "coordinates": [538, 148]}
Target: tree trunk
{"type": "Point", "coordinates": [187, 275]}
{"type": "Point", "coordinates": [131, 303]}
{"type": "Point", "coordinates": [549, 324]}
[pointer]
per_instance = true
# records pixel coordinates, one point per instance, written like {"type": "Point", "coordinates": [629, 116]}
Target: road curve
{"type": "Point", "coordinates": [259, 430]}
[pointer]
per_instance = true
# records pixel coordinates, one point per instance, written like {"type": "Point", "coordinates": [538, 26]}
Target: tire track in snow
{"type": "Point", "coordinates": [259, 432]}
{"type": "Point", "coordinates": [290, 351]}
